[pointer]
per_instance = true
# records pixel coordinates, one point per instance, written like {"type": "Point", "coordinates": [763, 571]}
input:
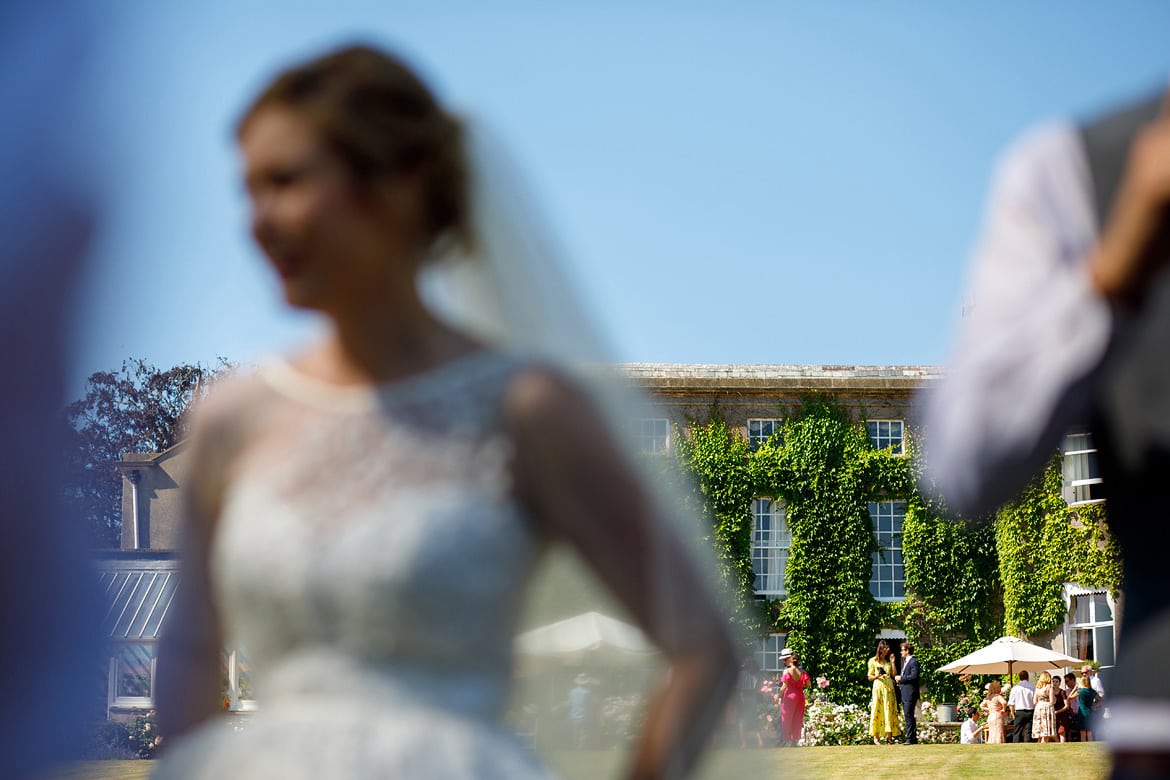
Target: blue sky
{"type": "Point", "coordinates": [733, 183]}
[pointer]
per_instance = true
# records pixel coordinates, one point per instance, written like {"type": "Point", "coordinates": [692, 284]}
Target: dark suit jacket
{"type": "Point", "coordinates": [908, 686]}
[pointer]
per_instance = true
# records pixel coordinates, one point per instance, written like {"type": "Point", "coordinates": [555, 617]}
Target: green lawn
{"type": "Point", "coordinates": [897, 762]}
{"type": "Point", "coordinates": [906, 762]}
{"type": "Point", "coordinates": [929, 762]}
{"type": "Point", "coordinates": [104, 770]}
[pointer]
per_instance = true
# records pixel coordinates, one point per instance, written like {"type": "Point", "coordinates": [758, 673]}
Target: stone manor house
{"type": "Point", "coordinates": [139, 579]}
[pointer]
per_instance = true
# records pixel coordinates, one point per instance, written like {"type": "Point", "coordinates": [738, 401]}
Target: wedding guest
{"type": "Point", "coordinates": [747, 704]}
{"type": "Point", "coordinates": [908, 691]}
{"type": "Point", "coordinates": [1022, 703]}
{"type": "Point", "coordinates": [1097, 686]}
{"type": "Point", "coordinates": [1044, 715]}
{"type": "Point", "coordinates": [1070, 284]}
{"type": "Point", "coordinates": [580, 708]}
{"type": "Point", "coordinates": [996, 707]}
{"type": "Point", "coordinates": [971, 733]}
{"type": "Point", "coordinates": [883, 717]}
{"type": "Point", "coordinates": [1073, 694]}
{"type": "Point", "coordinates": [1086, 699]}
{"type": "Point", "coordinates": [1060, 708]}
{"type": "Point", "coordinates": [792, 700]}
{"type": "Point", "coordinates": [1137, 732]}
{"type": "Point", "coordinates": [1068, 333]}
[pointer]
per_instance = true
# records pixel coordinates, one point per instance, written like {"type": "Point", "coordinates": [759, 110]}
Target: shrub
{"type": "Point", "coordinates": [143, 737]}
{"type": "Point", "coordinates": [826, 723]}
{"type": "Point", "coordinates": [108, 740]}
{"type": "Point", "coordinates": [621, 718]}
{"type": "Point", "coordinates": [114, 740]}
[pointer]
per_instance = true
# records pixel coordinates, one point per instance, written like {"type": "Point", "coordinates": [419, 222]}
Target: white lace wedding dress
{"type": "Point", "coordinates": [372, 561]}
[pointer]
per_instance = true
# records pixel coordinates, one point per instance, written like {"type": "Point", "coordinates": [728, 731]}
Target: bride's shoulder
{"type": "Point", "coordinates": [554, 417]}
{"type": "Point", "coordinates": [538, 394]}
{"type": "Point", "coordinates": [533, 384]}
{"type": "Point", "coordinates": [231, 396]}
{"type": "Point", "coordinates": [229, 407]}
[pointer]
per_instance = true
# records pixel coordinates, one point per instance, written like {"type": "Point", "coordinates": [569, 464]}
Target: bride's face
{"type": "Point", "coordinates": [333, 242]}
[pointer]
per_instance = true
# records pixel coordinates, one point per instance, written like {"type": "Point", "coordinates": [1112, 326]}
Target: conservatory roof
{"type": "Point", "coordinates": [137, 600]}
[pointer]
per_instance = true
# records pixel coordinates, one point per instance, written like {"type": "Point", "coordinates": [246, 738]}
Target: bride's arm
{"type": "Point", "coordinates": [581, 488]}
{"type": "Point", "coordinates": [188, 673]}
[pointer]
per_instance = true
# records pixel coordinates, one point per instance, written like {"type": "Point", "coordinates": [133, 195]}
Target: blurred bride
{"type": "Point", "coordinates": [365, 516]}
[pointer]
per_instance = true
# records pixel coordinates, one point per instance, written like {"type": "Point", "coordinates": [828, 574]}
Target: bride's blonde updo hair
{"type": "Point", "coordinates": [383, 121]}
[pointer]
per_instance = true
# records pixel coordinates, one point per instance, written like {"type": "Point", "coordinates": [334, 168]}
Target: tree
{"type": "Point", "coordinates": [138, 408]}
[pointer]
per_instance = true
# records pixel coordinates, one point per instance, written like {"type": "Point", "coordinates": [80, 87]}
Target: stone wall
{"type": "Point", "coordinates": [684, 392]}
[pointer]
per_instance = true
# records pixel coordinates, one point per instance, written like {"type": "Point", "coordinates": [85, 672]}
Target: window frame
{"type": "Point", "coordinates": [640, 437]}
{"type": "Point", "coordinates": [764, 651]}
{"type": "Point", "coordinates": [877, 560]}
{"type": "Point", "coordinates": [1068, 488]}
{"type": "Point", "coordinates": [778, 532]}
{"type": "Point", "coordinates": [116, 701]}
{"type": "Point", "coordinates": [236, 702]}
{"type": "Point", "coordinates": [875, 438]}
{"type": "Point", "coordinates": [1071, 592]}
{"type": "Point", "coordinates": [757, 440]}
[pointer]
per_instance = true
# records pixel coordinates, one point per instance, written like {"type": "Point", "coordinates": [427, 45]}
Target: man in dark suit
{"type": "Point", "coordinates": [908, 691]}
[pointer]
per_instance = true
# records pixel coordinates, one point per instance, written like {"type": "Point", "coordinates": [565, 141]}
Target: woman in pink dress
{"type": "Point", "coordinates": [792, 685]}
{"type": "Point", "coordinates": [995, 705]}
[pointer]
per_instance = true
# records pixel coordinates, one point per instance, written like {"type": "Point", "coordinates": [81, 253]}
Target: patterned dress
{"type": "Point", "coordinates": [883, 718]}
{"type": "Point", "coordinates": [1044, 716]}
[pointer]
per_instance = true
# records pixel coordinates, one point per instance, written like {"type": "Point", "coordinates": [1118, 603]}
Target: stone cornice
{"type": "Point", "coordinates": [681, 380]}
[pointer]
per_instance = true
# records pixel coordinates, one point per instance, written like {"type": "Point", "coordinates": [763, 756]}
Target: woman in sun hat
{"type": "Point", "coordinates": [792, 685]}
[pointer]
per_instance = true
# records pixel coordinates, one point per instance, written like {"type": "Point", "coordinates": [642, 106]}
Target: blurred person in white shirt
{"type": "Point", "coordinates": [1021, 704]}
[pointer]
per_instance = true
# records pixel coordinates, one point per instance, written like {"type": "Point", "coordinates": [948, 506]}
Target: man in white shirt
{"type": "Point", "coordinates": [970, 733]}
{"type": "Point", "coordinates": [1094, 680]}
{"type": "Point", "coordinates": [1070, 325]}
{"type": "Point", "coordinates": [1021, 703]}
{"type": "Point", "coordinates": [580, 701]}
{"type": "Point", "coordinates": [1056, 306]}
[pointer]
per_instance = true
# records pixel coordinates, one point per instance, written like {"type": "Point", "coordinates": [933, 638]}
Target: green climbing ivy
{"type": "Point", "coordinates": [718, 461]}
{"type": "Point", "coordinates": [827, 472]}
{"type": "Point", "coordinates": [966, 582]}
{"type": "Point", "coordinates": [954, 595]}
{"type": "Point", "coordinates": [1044, 543]}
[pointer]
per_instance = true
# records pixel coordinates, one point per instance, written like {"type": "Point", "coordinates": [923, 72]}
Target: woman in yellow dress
{"type": "Point", "coordinates": [883, 719]}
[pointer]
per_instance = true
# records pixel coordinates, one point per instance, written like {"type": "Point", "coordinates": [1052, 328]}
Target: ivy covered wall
{"type": "Point", "coordinates": [1044, 543]}
{"type": "Point", "coordinates": [967, 583]}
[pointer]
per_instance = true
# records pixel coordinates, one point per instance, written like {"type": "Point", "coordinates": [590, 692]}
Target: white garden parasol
{"type": "Point", "coordinates": [1007, 655]}
{"type": "Point", "coordinates": [591, 635]}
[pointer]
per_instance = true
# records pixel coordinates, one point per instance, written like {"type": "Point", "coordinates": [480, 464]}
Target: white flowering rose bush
{"type": "Point", "coordinates": [826, 723]}
{"type": "Point", "coordinates": [929, 732]}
